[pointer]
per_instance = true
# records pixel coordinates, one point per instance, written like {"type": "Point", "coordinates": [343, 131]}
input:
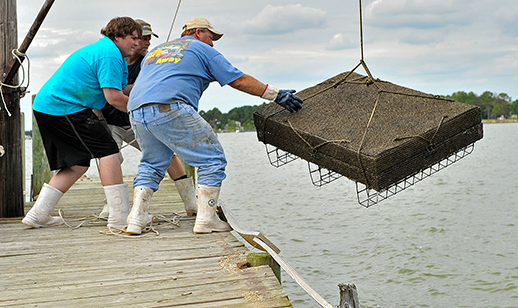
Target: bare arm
{"type": "Point", "coordinates": [248, 84]}
{"type": "Point", "coordinates": [116, 98]}
{"type": "Point", "coordinates": [127, 89]}
{"type": "Point", "coordinates": [285, 98]}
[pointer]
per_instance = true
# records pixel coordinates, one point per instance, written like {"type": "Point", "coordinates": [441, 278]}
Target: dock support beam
{"type": "Point", "coordinates": [263, 258]}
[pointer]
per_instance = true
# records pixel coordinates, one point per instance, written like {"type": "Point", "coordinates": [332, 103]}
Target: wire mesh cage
{"type": "Point", "coordinates": [278, 157]}
{"type": "Point", "coordinates": [322, 176]}
{"type": "Point", "coordinates": [368, 197]}
{"type": "Point", "coordinates": [319, 176]}
{"type": "Point", "coordinates": [372, 132]}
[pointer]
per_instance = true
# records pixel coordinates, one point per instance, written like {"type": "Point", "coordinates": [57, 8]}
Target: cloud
{"type": "Point", "coordinates": [417, 14]}
{"type": "Point", "coordinates": [505, 21]}
{"type": "Point", "coordinates": [438, 46]}
{"type": "Point", "coordinates": [342, 41]}
{"type": "Point", "coordinates": [422, 37]}
{"type": "Point", "coordinates": [54, 42]}
{"type": "Point", "coordinates": [285, 19]}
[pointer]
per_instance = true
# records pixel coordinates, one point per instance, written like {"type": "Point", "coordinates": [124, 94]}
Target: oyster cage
{"type": "Point", "coordinates": [367, 197]}
{"type": "Point", "coordinates": [278, 157]}
{"type": "Point", "coordinates": [321, 176]}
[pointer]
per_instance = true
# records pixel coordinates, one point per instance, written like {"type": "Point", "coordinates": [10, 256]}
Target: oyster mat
{"type": "Point", "coordinates": [373, 132]}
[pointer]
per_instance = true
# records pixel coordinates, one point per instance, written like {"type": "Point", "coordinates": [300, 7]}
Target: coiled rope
{"type": "Point", "coordinates": [17, 54]}
{"type": "Point", "coordinates": [97, 219]}
{"type": "Point", "coordinates": [149, 229]}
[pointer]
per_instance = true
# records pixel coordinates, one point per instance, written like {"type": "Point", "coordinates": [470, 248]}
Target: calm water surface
{"type": "Point", "coordinates": [448, 241]}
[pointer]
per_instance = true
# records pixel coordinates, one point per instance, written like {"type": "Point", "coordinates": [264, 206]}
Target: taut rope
{"type": "Point", "coordinates": [17, 54]}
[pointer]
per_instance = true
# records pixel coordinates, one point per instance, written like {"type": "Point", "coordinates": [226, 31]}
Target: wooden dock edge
{"type": "Point", "coordinates": [60, 266]}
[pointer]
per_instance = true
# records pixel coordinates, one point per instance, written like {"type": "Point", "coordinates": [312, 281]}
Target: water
{"type": "Point", "coordinates": [448, 241]}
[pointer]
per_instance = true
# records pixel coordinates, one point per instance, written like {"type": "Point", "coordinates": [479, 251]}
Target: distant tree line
{"type": "Point", "coordinates": [492, 105]}
{"type": "Point", "coordinates": [237, 119]}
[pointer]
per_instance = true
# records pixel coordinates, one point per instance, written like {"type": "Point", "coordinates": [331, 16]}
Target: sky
{"type": "Point", "coordinates": [438, 47]}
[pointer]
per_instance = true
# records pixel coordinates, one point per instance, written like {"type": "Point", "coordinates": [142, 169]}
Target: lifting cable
{"type": "Point", "coordinates": [174, 19]}
{"type": "Point", "coordinates": [377, 83]}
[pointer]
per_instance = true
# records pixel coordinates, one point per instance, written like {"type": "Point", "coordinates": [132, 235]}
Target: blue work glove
{"type": "Point", "coordinates": [288, 100]}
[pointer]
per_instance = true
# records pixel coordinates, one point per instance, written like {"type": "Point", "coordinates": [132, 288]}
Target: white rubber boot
{"type": "Point", "coordinates": [185, 189]}
{"type": "Point", "coordinates": [117, 197]}
{"type": "Point", "coordinates": [105, 212]}
{"type": "Point", "coordinates": [39, 215]}
{"type": "Point", "coordinates": [139, 216]}
{"type": "Point", "coordinates": [207, 219]}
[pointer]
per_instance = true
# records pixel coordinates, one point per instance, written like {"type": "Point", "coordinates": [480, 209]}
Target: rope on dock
{"type": "Point", "coordinates": [293, 274]}
{"type": "Point", "coordinates": [94, 219]}
{"type": "Point", "coordinates": [83, 220]}
{"type": "Point", "coordinates": [149, 229]}
{"type": "Point", "coordinates": [258, 240]}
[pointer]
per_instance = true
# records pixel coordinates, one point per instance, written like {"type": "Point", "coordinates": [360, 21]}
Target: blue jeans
{"type": "Point", "coordinates": [180, 130]}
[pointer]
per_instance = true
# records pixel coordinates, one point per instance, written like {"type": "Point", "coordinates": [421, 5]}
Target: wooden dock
{"type": "Point", "coordinates": [65, 267]}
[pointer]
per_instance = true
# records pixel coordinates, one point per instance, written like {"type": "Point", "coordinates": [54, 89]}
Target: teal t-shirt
{"type": "Point", "coordinates": [78, 82]}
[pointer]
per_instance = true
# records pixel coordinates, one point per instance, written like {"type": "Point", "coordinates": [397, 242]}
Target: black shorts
{"type": "Point", "coordinates": [75, 139]}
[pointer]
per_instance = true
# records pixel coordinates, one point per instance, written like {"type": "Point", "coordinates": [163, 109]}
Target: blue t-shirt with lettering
{"type": "Point", "coordinates": [78, 82]}
{"type": "Point", "coordinates": [180, 70]}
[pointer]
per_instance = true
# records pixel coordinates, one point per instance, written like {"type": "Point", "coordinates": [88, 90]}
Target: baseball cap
{"type": "Point", "coordinates": [202, 23]}
{"type": "Point", "coordinates": [146, 28]}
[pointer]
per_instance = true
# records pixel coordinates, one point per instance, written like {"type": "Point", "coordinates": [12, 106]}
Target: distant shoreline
{"type": "Point", "coordinates": [500, 121]}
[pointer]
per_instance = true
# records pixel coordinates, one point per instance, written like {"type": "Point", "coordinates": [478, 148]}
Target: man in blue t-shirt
{"type": "Point", "coordinates": [120, 128]}
{"type": "Point", "coordinates": [164, 115]}
{"type": "Point", "coordinates": [72, 134]}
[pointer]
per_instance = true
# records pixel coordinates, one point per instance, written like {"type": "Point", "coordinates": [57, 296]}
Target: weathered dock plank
{"type": "Point", "coordinates": [65, 267]}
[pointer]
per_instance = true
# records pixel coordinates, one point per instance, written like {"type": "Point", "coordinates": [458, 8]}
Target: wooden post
{"type": "Point", "coordinates": [11, 158]}
{"type": "Point", "coordinates": [348, 296]}
{"type": "Point", "coordinates": [41, 172]}
{"type": "Point", "coordinates": [22, 136]}
{"type": "Point", "coordinates": [263, 258]}
{"type": "Point", "coordinates": [11, 162]}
